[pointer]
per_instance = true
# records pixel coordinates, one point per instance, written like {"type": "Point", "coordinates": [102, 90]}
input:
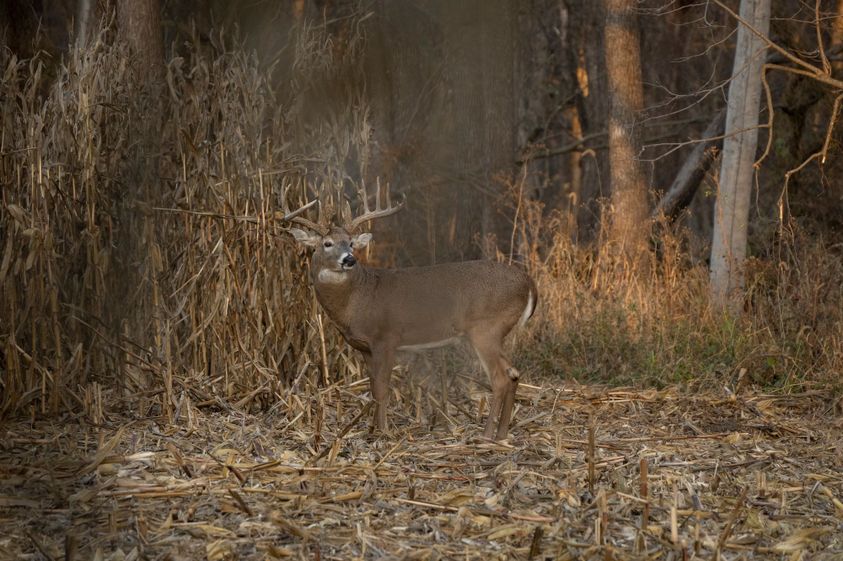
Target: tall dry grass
{"type": "Point", "coordinates": [198, 306]}
{"type": "Point", "coordinates": [600, 322]}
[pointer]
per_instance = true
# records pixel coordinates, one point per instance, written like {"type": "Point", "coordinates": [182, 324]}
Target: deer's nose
{"type": "Point", "coordinates": [349, 260]}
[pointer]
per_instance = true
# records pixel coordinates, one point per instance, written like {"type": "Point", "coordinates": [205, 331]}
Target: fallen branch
{"type": "Point", "coordinates": [693, 170]}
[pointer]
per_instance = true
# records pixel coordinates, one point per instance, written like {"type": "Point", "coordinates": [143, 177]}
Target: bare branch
{"type": "Point", "coordinates": [809, 69]}
{"type": "Point", "coordinates": [770, 115]}
{"type": "Point", "coordinates": [820, 47]}
{"type": "Point", "coordinates": [684, 186]}
{"type": "Point", "coordinates": [822, 154]}
{"type": "Point", "coordinates": [787, 54]}
{"type": "Point", "coordinates": [834, 113]}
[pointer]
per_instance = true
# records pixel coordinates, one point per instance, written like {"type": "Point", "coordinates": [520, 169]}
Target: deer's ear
{"type": "Point", "coordinates": [361, 240]}
{"type": "Point", "coordinates": [305, 238]}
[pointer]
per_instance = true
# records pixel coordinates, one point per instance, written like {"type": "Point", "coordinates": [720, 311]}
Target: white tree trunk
{"type": "Point", "coordinates": [731, 213]}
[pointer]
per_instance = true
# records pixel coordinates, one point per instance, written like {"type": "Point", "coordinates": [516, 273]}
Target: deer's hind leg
{"type": "Point", "coordinates": [503, 378]}
{"type": "Point", "coordinates": [512, 376]}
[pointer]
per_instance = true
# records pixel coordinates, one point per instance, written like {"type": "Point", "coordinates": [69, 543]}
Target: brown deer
{"type": "Point", "coordinates": [382, 311]}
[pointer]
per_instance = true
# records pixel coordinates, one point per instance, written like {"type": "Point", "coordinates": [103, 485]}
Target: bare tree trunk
{"type": "Point", "coordinates": [135, 300]}
{"type": "Point", "coordinates": [546, 55]}
{"type": "Point", "coordinates": [83, 17]}
{"type": "Point", "coordinates": [586, 29]}
{"type": "Point", "coordinates": [140, 26]}
{"type": "Point", "coordinates": [629, 217]}
{"type": "Point", "coordinates": [731, 212]}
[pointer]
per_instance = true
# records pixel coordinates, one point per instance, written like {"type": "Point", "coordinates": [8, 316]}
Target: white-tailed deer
{"type": "Point", "coordinates": [382, 311]}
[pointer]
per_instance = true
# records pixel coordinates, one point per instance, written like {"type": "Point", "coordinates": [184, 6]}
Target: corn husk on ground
{"type": "Point", "coordinates": [587, 473]}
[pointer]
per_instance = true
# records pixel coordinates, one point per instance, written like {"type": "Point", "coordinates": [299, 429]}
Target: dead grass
{"type": "Point", "coordinates": [112, 277]}
{"type": "Point", "coordinates": [727, 476]}
{"type": "Point", "coordinates": [598, 321]}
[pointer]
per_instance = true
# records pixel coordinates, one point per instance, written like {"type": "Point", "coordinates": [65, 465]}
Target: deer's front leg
{"type": "Point", "coordinates": [380, 362]}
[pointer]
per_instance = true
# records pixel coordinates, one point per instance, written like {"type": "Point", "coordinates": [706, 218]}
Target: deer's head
{"type": "Point", "coordinates": [334, 246]}
{"type": "Point", "coordinates": [333, 250]}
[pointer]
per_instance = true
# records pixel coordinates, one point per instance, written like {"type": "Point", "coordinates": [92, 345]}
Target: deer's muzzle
{"type": "Point", "coordinates": [348, 261]}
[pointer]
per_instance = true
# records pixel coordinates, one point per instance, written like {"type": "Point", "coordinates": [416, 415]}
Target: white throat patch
{"type": "Point", "coordinates": [331, 277]}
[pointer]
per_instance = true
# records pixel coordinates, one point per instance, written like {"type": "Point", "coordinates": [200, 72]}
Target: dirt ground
{"type": "Point", "coordinates": [587, 472]}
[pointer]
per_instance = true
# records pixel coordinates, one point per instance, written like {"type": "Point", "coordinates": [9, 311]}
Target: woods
{"type": "Point", "coordinates": [666, 173]}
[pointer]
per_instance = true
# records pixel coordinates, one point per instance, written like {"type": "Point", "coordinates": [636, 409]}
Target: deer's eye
{"type": "Point", "coordinates": [327, 244]}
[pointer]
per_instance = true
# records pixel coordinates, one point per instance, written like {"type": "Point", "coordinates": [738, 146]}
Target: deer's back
{"type": "Point", "coordinates": [420, 305]}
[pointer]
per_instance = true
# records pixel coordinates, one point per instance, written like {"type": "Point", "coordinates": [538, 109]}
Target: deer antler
{"type": "Point", "coordinates": [377, 212]}
{"type": "Point", "coordinates": [293, 216]}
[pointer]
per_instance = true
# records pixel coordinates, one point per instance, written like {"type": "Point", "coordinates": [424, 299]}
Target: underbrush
{"type": "Point", "coordinates": [596, 322]}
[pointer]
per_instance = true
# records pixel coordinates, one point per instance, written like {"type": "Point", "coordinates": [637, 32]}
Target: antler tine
{"type": "Point", "coordinates": [294, 213]}
{"type": "Point", "coordinates": [293, 216]}
{"type": "Point", "coordinates": [318, 228]}
{"type": "Point", "coordinates": [379, 210]}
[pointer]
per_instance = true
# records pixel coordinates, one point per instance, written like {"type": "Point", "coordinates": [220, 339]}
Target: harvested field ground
{"type": "Point", "coordinates": [751, 476]}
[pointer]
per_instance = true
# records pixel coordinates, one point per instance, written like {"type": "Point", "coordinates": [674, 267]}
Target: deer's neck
{"type": "Point", "coordinates": [335, 291]}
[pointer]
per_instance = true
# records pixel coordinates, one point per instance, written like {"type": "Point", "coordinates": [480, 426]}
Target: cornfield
{"type": "Point", "coordinates": [141, 255]}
